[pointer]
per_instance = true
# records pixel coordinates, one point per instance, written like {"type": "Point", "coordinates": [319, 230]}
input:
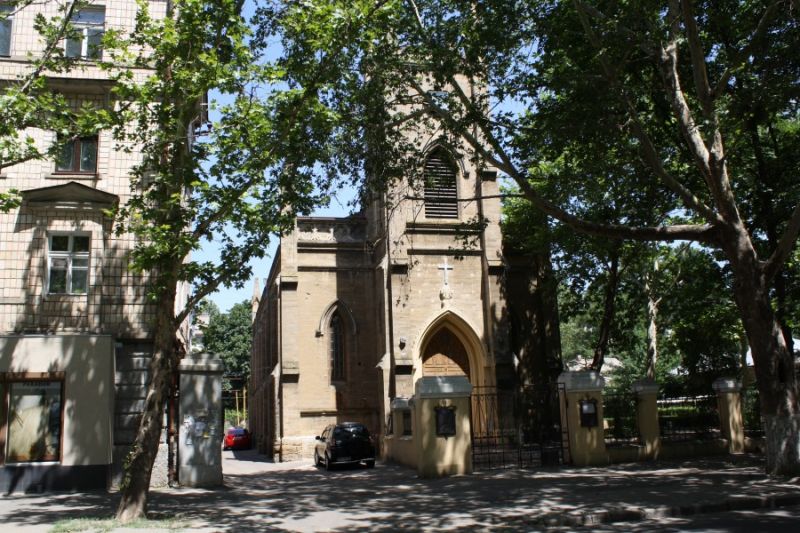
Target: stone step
{"type": "Point", "coordinates": [138, 362]}
{"type": "Point", "coordinates": [124, 437]}
{"type": "Point", "coordinates": [132, 392]}
{"type": "Point", "coordinates": [126, 422]}
{"type": "Point", "coordinates": [129, 405]}
{"type": "Point", "coordinates": [133, 377]}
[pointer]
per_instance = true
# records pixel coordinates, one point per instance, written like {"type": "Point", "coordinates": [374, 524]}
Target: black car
{"type": "Point", "coordinates": [345, 443]}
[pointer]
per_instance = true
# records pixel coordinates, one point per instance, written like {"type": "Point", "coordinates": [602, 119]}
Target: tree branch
{"type": "Point", "coordinates": [592, 11]}
{"type": "Point", "coordinates": [50, 48]}
{"type": "Point", "coordinates": [651, 157]}
{"type": "Point", "coordinates": [700, 233]}
{"type": "Point", "coordinates": [668, 61]}
{"type": "Point", "coordinates": [18, 160]}
{"type": "Point", "coordinates": [195, 299]}
{"type": "Point", "coordinates": [785, 246]}
{"type": "Point", "coordinates": [471, 198]}
{"type": "Point", "coordinates": [747, 51]}
{"type": "Point", "coordinates": [710, 161]}
{"type": "Point", "coordinates": [699, 70]}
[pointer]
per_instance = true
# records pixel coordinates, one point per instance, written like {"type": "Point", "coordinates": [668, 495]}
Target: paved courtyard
{"type": "Point", "coordinates": [297, 496]}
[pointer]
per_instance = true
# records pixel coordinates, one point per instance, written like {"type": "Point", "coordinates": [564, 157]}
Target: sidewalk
{"type": "Point", "coordinates": [261, 496]}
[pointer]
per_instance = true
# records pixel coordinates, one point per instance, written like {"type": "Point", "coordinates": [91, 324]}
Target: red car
{"type": "Point", "coordinates": [237, 439]}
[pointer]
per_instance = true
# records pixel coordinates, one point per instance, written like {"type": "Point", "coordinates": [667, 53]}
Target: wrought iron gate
{"type": "Point", "coordinates": [517, 428]}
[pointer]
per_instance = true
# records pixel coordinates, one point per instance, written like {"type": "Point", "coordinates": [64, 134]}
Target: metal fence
{"type": "Point", "coordinates": [619, 419]}
{"type": "Point", "coordinates": [515, 429]}
{"type": "Point", "coordinates": [682, 418]}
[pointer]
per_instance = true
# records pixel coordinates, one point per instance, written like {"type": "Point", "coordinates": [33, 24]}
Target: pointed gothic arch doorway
{"type": "Point", "coordinates": [510, 428]}
{"type": "Point", "coordinates": [445, 355]}
{"type": "Point", "coordinates": [449, 346]}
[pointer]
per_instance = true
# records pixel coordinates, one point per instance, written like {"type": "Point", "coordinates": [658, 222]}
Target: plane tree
{"type": "Point", "coordinates": [236, 178]}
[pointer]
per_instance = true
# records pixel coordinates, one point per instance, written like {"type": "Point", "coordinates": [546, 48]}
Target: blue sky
{"type": "Point", "coordinates": [227, 297]}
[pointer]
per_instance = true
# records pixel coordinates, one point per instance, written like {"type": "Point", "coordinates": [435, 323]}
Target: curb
{"type": "Point", "coordinates": [608, 516]}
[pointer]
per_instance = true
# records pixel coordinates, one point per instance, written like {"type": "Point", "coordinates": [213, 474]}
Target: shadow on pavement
{"type": "Point", "coordinates": [250, 455]}
{"type": "Point", "coordinates": [299, 496]}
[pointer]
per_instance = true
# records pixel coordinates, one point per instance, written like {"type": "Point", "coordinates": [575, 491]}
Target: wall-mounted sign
{"type": "Point", "coordinates": [588, 413]}
{"type": "Point", "coordinates": [445, 421]}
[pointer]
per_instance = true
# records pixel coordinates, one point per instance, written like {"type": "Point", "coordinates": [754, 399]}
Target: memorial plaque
{"type": "Point", "coordinates": [445, 421]}
{"type": "Point", "coordinates": [588, 413]}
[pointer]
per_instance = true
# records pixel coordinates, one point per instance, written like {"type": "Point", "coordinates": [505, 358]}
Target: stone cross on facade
{"type": "Point", "coordinates": [445, 293]}
{"type": "Point", "coordinates": [445, 267]}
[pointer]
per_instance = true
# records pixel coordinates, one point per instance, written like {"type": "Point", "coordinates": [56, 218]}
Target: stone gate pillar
{"type": "Point", "coordinates": [583, 407]}
{"type": "Point", "coordinates": [646, 391]}
{"type": "Point", "coordinates": [442, 432]}
{"type": "Point", "coordinates": [201, 424]}
{"type": "Point", "coordinates": [730, 412]}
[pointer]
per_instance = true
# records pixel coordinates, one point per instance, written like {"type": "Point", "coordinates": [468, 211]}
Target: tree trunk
{"type": "Point", "coordinates": [652, 332]}
{"type": "Point", "coordinates": [770, 181]}
{"type": "Point", "coordinates": [774, 363]}
{"type": "Point", "coordinates": [139, 463]}
{"type": "Point", "coordinates": [537, 336]}
{"type": "Point", "coordinates": [609, 300]}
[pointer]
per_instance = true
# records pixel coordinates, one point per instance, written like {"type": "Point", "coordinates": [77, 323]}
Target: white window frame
{"type": "Point", "coordinates": [70, 255]}
{"type": "Point", "coordinates": [83, 28]}
{"type": "Point", "coordinates": [8, 12]}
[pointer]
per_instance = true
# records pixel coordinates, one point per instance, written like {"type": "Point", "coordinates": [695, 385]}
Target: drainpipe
{"type": "Point", "coordinates": [278, 374]}
{"type": "Point", "coordinates": [172, 431]}
{"type": "Point", "coordinates": [389, 303]}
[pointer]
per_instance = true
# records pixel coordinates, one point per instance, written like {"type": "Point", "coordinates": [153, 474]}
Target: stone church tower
{"type": "Point", "coordinates": [356, 309]}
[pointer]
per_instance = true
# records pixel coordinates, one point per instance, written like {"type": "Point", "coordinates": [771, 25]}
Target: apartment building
{"type": "Point", "coordinates": [75, 324]}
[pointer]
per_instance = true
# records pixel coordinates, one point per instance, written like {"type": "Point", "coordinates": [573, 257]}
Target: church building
{"type": "Point", "coordinates": [355, 310]}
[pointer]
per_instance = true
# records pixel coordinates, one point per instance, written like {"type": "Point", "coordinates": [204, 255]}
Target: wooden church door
{"type": "Point", "coordinates": [445, 356]}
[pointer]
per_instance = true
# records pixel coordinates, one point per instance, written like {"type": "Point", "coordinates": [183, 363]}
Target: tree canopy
{"type": "Point", "coordinates": [230, 337]}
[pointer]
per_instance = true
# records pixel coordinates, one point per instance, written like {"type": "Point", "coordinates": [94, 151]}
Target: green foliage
{"type": "Point", "coordinates": [32, 101]}
{"type": "Point", "coordinates": [230, 337]}
{"type": "Point", "coordinates": [233, 417]}
{"type": "Point", "coordinates": [9, 200]}
{"type": "Point", "coordinates": [703, 322]}
{"type": "Point", "coordinates": [525, 229]}
{"type": "Point", "coordinates": [232, 184]}
{"type": "Point", "coordinates": [700, 336]}
{"type": "Point", "coordinates": [207, 307]}
{"type": "Point", "coordinates": [237, 183]}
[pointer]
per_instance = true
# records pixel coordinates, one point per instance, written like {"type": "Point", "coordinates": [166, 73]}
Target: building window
{"type": "Point", "coordinates": [407, 429]}
{"type": "Point", "coordinates": [78, 156]}
{"type": "Point", "coordinates": [68, 268]}
{"type": "Point", "coordinates": [86, 40]}
{"type": "Point", "coordinates": [6, 18]}
{"type": "Point", "coordinates": [336, 347]}
{"type": "Point", "coordinates": [441, 195]}
{"type": "Point", "coordinates": [32, 419]}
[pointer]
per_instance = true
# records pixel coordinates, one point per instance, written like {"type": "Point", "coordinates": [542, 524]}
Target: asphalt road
{"type": "Point", "coordinates": [784, 520]}
{"type": "Point", "coordinates": [263, 496]}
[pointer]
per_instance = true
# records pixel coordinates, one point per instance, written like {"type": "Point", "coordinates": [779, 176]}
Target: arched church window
{"type": "Point", "coordinates": [336, 347]}
{"type": "Point", "coordinates": [441, 195]}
